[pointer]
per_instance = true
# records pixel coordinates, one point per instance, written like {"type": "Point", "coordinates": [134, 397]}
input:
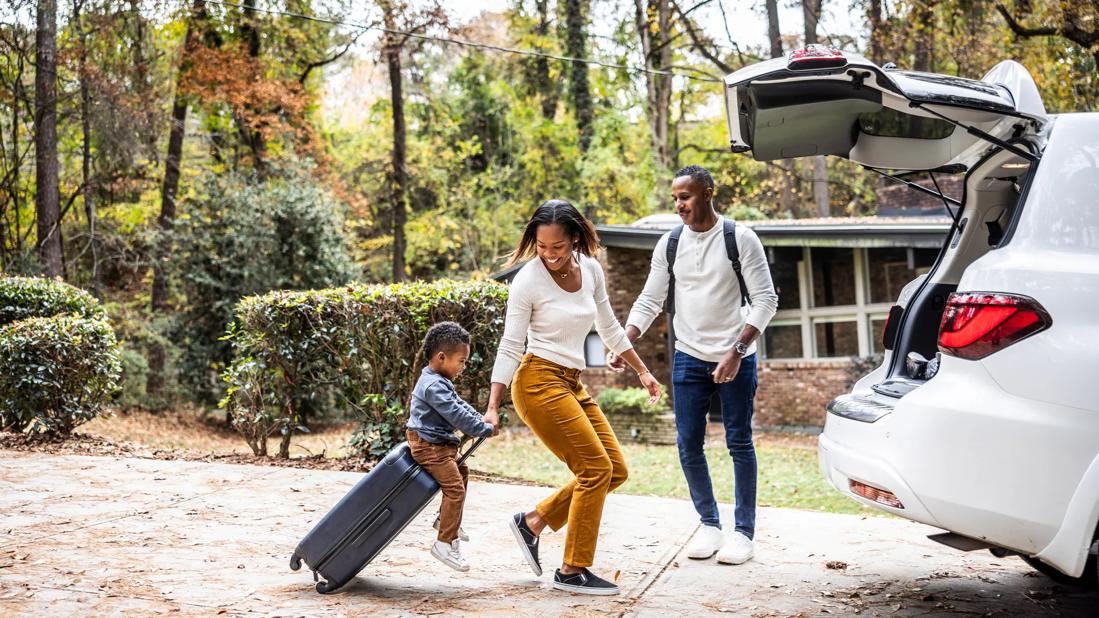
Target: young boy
{"type": "Point", "coordinates": [435, 412]}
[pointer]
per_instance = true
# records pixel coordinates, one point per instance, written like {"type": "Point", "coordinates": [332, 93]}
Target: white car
{"type": "Point", "coordinates": [996, 439]}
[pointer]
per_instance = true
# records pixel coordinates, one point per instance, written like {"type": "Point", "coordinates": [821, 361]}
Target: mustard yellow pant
{"type": "Point", "coordinates": [553, 403]}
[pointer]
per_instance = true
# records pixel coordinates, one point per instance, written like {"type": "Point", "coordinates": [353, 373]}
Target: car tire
{"type": "Point", "coordinates": [1088, 579]}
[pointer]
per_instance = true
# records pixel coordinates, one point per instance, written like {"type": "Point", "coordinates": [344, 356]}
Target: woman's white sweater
{"type": "Point", "coordinates": [549, 322]}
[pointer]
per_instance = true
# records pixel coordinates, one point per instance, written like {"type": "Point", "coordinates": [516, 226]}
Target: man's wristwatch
{"type": "Point", "coordinates": [741, 348]}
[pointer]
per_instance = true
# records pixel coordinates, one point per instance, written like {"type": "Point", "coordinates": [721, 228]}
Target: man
{"type": "Point", "coordinates": [716, 329]}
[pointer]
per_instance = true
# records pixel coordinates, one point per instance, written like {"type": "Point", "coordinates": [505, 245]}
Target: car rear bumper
{"type": "Point", "coordinates": [842, 464]}
{"type": "Point", "coordinates": [963, 455]}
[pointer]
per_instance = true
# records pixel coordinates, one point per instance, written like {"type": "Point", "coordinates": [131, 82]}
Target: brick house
{"type": "Point", "coordinates": [836, 279]}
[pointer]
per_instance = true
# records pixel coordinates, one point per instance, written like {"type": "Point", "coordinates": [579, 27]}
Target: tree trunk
{"type": "Point", "coordinates": [172, 163]}
{"type": "Point", "coordinates": [400, 178]}
{"type": "Point", "coordinates": [923, 22]}
{"type": "Point", "coordinates": [47, 193]}
{"type": "Point", "coordinates": [876, 34]}
{"type": "Point", "coordinates": [579, 89]}
{"type": "Point", "coordinates": [773, 33]}
{"type": "Point", "coordinates": [13, 191]}
{"type": "Point", "coordinates": [253, 138]}
{"type": "Point", "coordinates": [86, 152]}
{"type": "Point", "coordinates": [811, 10]}
{"type": "Point", "coordinates": [547, 89]}
{"type": "Point", "coordinates": [657, 50]}
{"type": "Point", "coordinates": [788, 182]}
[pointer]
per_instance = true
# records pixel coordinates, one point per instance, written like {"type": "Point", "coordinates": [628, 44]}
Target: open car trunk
{"type": "Point", "coordinates": [845, 105]}
{"type": "Point", "coordinates": [824, 102]}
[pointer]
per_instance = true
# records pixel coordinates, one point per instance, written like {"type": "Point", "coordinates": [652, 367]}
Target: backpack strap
{"type": "Point", "coordinates": [673, 246]}
{"type": "Point", "coordinates": [734, 256]}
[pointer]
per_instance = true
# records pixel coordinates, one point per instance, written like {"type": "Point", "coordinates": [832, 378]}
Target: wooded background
{"type": "Point", "coordinates": [173, 157]}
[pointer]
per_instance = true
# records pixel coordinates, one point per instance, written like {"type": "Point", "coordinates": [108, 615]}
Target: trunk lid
{"type": "Point", "coordinates": [825, 102]}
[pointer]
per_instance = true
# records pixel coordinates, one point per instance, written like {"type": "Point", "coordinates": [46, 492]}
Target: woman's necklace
{"type": "Point", "coordinates": [568, 271]}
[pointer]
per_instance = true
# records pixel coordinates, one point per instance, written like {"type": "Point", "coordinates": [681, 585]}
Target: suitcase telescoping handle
{"type": "Point", "coordinates": [469, 451]}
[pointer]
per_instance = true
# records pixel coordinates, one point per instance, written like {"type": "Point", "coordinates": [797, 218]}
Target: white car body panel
{"type": "Point", "coordinates": [1006, 448]}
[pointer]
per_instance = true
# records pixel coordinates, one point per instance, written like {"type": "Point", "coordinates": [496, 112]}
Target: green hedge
{"type": "Point", "coordinates": [59, 371]}
{"type": "Point", "coordinates": [31, 297]}
{"type": "Point", "coordinates": [630, 401]}
{"type": "Point", "coordinates": [357, 347]}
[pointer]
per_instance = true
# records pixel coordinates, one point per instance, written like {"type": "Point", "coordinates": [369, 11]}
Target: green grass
{"type": "Point", "coordinates": [788, 472]}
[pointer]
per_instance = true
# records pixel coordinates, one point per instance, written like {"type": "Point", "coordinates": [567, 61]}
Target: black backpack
{"type": "Point", "coordinates": [730, 249]}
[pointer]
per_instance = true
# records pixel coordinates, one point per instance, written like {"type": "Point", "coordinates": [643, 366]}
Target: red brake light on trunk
{"type": "Point", "coordinates": [816, 57]}
{"type": "Point", "coordinates": [977, 324]}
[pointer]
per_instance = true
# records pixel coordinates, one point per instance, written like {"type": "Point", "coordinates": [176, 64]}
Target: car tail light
{"type": "Point", "coordinates": [977, 324]}
{"type": "Point", "coordinates": [816, 57]}
{"type": "Point", "coordinates": [875, 494]}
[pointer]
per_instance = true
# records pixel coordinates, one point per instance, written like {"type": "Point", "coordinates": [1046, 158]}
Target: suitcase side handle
{"type": "Point", "coordinates": [469, 451]}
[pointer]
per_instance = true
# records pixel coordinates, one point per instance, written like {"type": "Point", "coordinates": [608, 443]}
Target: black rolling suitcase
{"type": "Point", "coordinates": [368, 518]}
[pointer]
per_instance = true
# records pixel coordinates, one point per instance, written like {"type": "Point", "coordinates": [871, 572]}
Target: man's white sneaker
{"type": "Point", "coordinates": [706, 542]}
{"type": "Point", "coordinates": [450, 555]}
{"type": "Point", "coordinates": [738, 549]}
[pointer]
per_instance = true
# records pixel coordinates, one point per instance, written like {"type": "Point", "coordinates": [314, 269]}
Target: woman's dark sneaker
{"type": "Point", "coordinates": [528, 541]}
{"type": "Point", "coordinates": [583, 583]}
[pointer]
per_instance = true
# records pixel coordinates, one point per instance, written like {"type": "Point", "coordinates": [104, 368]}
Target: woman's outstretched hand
{"type": "Point", "coordinates": [651, 385]}
{"type": "Point", "coordinates": [615, 362]}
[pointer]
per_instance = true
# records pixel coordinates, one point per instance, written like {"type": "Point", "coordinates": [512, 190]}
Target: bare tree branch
{"type": "Point", "coordinates": [329, 60]}
{"type": "Point", "coordinates": [699, 43]}
{"type": "Point", "coordinates": [1021, 30]}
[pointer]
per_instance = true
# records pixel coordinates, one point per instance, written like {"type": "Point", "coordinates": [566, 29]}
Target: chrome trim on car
{"type": "Point", "coordinates": [859, 408]}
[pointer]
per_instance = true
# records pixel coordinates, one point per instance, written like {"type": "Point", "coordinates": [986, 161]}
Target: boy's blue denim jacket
{"type": "Point", "coordinates": [437, 410]}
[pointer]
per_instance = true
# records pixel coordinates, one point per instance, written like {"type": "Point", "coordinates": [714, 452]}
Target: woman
{"type": "Point", "coordinates": [553, 302]}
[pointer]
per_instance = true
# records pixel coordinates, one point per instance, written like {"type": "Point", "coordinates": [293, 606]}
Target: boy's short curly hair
{"type": "Point", "coordinates": [444, 337]}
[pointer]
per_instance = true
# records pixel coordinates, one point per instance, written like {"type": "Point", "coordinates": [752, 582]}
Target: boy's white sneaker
{"type": "Point", "coordinates": [738, 549]}
{"type": "Point", "coordinates": [450, 555]}
{"type": "Point", "coordinates": [705, 543]}
{"type": "Point", "coordinates": [462, 536]}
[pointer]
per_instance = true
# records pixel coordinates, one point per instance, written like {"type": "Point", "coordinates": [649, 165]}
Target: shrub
{"type": "Point", "coordinates": [137, 333]}
{"type": "Point", "coordinates": [33, 297]}
{"type": "Point", "coordinates": [356, 346]}
{"type": "Point", "coordinates": [244, 236]}
{"type": "Point", "coordinates": [860, 366]}
{"type": "Point", "coordinates": [58, 372]}
{"type": "Point", "coordinates": [630, 401]}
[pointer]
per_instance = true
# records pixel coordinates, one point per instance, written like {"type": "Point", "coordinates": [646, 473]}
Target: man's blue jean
{"type": "Point", "coordinates": [692, 387]}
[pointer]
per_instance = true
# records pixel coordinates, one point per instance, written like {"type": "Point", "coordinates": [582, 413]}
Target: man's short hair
{"type": "Point", "coordinates": [444, 337]}
{"type": "Point", "coordinates": [698, 173]}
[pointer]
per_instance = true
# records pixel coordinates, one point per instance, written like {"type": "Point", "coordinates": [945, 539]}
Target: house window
{"type": "Point", "coordinates": [890, 269]}
{"type": "Point", "coordinates": [833, 277]}
{"type": "Point", "coordinates": [784, 272]}
{"type": "Point", "coordinates": [877, 328]}
{"type": "Point", "coordinates": [782, 340]}
{"type": "Point", "coordinates": [594, 353]}
{"type": "Point", "coordinates": [836, 337]}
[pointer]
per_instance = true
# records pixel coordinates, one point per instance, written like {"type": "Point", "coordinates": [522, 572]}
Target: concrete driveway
{"type": "Point", "coordinates": [93, 536]}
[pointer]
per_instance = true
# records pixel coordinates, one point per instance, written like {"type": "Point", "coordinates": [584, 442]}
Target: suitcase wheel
{"type": "Point", "coordinates": [322, 587]}
{"type": "Point", "coordinates": [295, 562]}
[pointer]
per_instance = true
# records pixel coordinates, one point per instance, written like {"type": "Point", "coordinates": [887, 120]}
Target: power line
{"type": "Point", "coordinates": [465, 43]}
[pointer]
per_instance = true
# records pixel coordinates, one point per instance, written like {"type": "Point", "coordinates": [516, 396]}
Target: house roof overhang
{"type": "Point", "coordinates": [858, 232]}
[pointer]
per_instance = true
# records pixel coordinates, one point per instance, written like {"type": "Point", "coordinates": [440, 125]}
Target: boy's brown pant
{"type": "Point", "coordinates": [553, 403]}
{"type": "Point", "coordinates": [441, 462]}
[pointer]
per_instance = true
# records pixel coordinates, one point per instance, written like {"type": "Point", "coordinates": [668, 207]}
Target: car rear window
{"type": "Point", "coordinates": [1062, 207]}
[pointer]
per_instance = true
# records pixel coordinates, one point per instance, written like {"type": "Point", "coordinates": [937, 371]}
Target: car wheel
{"type": "Point", "coordinates": [1088, 579]}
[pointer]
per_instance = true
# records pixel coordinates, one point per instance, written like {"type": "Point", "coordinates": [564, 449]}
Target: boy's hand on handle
{"type": "Point", "coordinates": [651, 385]}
